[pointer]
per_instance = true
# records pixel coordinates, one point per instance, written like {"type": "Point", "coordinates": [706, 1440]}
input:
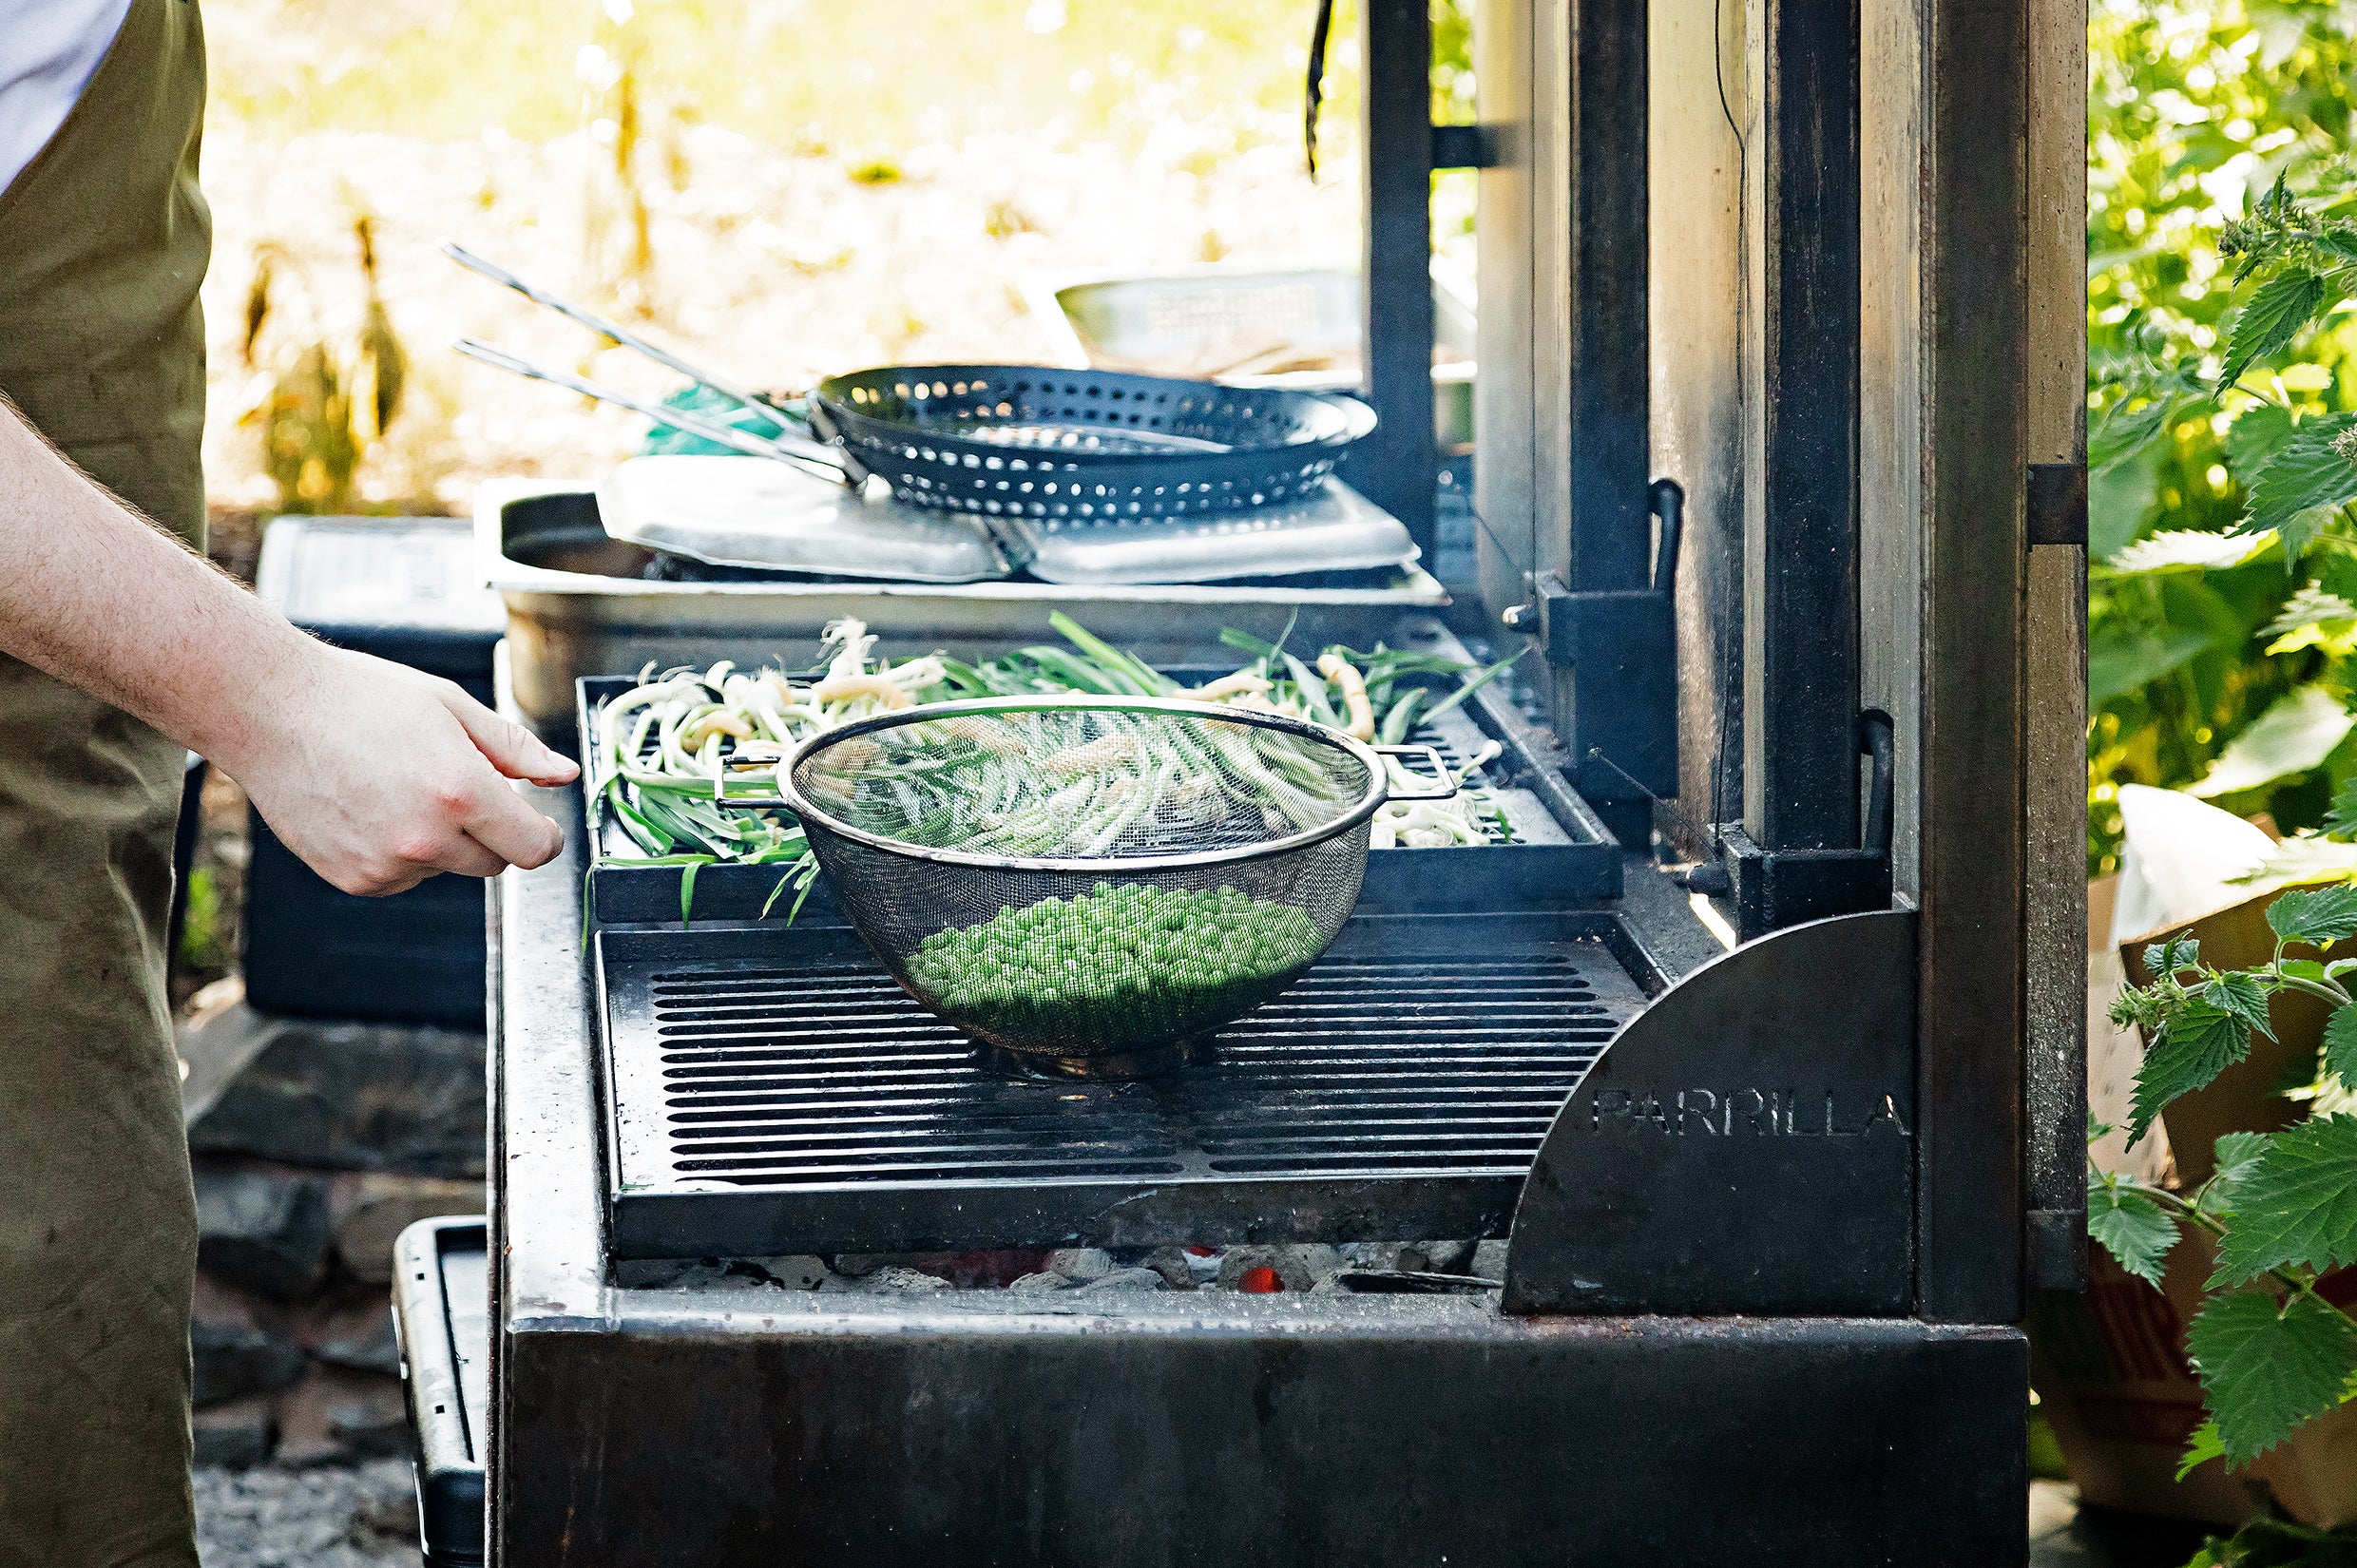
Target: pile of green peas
{"type": "Point", "coordinates": [1118, 965]}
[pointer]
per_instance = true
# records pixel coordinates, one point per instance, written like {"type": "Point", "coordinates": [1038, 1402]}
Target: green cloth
{"type": "Point", "coordinates": [104, 240]}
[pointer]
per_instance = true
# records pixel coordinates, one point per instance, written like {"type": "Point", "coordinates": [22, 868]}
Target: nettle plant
{"type": "Point", "coordinates": [2272, 1352]}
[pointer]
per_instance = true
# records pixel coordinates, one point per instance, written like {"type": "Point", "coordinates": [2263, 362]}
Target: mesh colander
{"type": "Point", "coordinates": [1089, 883]}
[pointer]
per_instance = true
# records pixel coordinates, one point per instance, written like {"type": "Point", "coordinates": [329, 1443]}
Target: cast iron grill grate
{"type": "Point", "coordinates": [778, 1092]}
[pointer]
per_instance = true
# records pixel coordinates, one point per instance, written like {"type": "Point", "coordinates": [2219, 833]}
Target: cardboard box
{"type": "Point", "coordinates": [2110, 1370]}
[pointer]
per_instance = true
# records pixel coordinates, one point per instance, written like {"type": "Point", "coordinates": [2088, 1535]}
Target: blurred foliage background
{"type": "Point", "coordinates": [780, 188]}
{"type": "Point", "coordinates": [2206, 668]}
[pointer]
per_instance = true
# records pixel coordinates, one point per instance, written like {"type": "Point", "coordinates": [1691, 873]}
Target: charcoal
{"type": "Point", "coordinates": [1046, 1279]}
{"type": "Point", "coordinates": [795, 1271]}
{"type": "Point", "coordinates": [1124, 1281]}
{"type": "Point", "coordinates": [1292, 1273]}
{"type": "Point", "coordinates": [1437, 1257]}
{"type": "Point", "coordinates": [1174, 1265]}
{"type": "Point", "coordinates": [896, 1278]}
{"type": "Point", "coordinates": [1081, 1263]}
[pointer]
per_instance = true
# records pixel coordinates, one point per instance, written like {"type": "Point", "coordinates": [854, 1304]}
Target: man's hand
{"type": "Point", "coordinates": [379, 776]}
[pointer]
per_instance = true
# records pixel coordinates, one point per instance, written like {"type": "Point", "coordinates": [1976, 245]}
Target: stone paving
{"type": "Point", "coordinates": [333, 1517]}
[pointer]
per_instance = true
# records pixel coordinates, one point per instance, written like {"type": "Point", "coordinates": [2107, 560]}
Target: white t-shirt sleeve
{"type": "Point", "coordinates": [49, 51]}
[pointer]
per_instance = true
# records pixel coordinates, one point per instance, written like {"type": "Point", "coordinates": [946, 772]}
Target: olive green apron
{"type": "Point", "coordinates": [103, 241]}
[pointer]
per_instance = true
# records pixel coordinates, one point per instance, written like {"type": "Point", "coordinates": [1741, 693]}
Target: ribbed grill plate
{"type": "Point", "coordinates": [776, 1092]}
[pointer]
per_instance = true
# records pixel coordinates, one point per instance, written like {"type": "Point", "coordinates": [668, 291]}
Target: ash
{"type": "Point", "coordinates": [336, 1516]}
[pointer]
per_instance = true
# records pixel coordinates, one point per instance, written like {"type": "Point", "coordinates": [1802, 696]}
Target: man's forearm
{"type": "Point", "coordinates": [95, 595]}
{"type": "Point", "coordinates": [375, 774]}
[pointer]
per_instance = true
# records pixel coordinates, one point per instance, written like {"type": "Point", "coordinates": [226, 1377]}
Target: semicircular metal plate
{"type": "Point", "coordinates": [1745, 1145]}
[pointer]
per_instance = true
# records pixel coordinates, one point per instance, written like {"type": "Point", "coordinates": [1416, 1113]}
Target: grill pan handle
{"type": "Point", "coordinates": [1447, 790]}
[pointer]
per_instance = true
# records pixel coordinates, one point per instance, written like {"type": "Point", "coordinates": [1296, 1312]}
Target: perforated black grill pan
{"type": "Point", "coordinates": [1093, 447]}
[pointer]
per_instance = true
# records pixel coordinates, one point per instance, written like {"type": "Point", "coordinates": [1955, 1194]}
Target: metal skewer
{"type": "Point", "coordinates": [817, 456]}
{"type": "Point", "coordinates": [834, 456]}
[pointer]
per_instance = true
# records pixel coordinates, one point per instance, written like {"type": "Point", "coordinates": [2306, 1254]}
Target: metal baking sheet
{"type": "Point", "coordinates": [1564, 858]}
{"type": "Point", "coordinates": [1337, 531]}
{"type": "Point", "coordinates": [751, 513]}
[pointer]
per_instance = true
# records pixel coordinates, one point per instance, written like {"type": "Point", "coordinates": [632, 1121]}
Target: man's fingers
{"type": "Point", "coordinates": [512, 749]}
{"type": "Point", "coordinates": [500, 822]}
{"type": "Point", "coordinates": [466, 857]}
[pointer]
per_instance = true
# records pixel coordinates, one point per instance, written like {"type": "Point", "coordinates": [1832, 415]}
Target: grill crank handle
{"type": "Point", "coordinates": [1447, 790]}
{"type": "Point", "coordinates": [781, 449]}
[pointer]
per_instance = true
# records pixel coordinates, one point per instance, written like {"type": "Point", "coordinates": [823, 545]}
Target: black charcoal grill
{"type": "Point", "coordinates": [1760, 1225]}
{"type": "Point", "coordinates": [780, 1094]}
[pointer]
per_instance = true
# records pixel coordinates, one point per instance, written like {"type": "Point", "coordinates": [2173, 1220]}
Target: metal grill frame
{"type": "Point", "coordinates": [1180, 1194]}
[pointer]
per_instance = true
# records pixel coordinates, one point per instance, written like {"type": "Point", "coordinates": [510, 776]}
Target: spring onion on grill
{"type": "Point", "coordinates": [683, 755]}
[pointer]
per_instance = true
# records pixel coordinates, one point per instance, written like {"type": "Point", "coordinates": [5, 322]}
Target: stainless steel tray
{"type": "Point", "coordinates": [750, 512]}
{"type": "Point", "coordinates": [581, 603]}
{"type": "Point", "coordinates": [1339, 530]}
{"type": "Point", "coordinates": [1562, 858]}
{"type": "Point", "coordinates": [746, 512]}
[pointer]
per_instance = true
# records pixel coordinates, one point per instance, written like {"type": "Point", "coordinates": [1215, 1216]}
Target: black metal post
{"type": "Point", "coordinates": [1609, 454]}
{"type": "Point", "coordinates": [1396, 469]}
{"type": "Point", "coordinates": [1805, 702]}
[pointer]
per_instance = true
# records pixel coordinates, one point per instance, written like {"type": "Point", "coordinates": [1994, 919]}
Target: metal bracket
{"type": "Point", "coordinates": [1625, 640]}
{"type": "Point", "coordinates": [1464, 148]}
{"type": "Point", "coordinates": [2057, 504]}
{"type": "Point", "coordinates": [1778, 888]}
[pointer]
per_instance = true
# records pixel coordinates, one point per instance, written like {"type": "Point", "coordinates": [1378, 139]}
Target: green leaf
{"type": "Point", "coordinates": [2236, 1154]}
{"type": "Point", "coordinates": [2121, 432]}
{"type": "Point", "coordinates": [2303, 857]}
{"type": "Point", "coordinates": [2296, 733]}
{"type": "Point", "coordinates": [2297, 1205]}
{"type": "Point", "coordinates": [2120, 662]}
{"type": "Point", "coordinates": [2310, 606]}
{"type": "Point", "coordinates": [2242, 994]}
{"type": "Point", "coordinates": [2167, 958]}
{"type": "Point", "coordinates": [2318, 916]}
{"type": "Point", "coordinates": [2252, 438]}
{"type": "Point", "coordinates": [2341, 1044]}
{"type": "Point", "coordinates": [2197, 1043]}
{"type": "Point", "coordinates": [2118, 500]}
{"type": "Point", "coordinates": [2266, 1369]}
{"type": "Point", "coordinates": [687, 890]}
{"type": "Point", "coordinates": [2182, 549]}
{"type": "Point", "coordinates": [2132, 1228]}
{"type": "Point", "coordinates": [2203, 1446]}
{"type": "Point", "coordinates": [2308, 471]}
{"type": "Point", "coordinates": [2096, 1128]}
{"type": "Point", "coordinates": [2342, 819]}
{"type": "Point", "coordinates": [2278, 309]}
